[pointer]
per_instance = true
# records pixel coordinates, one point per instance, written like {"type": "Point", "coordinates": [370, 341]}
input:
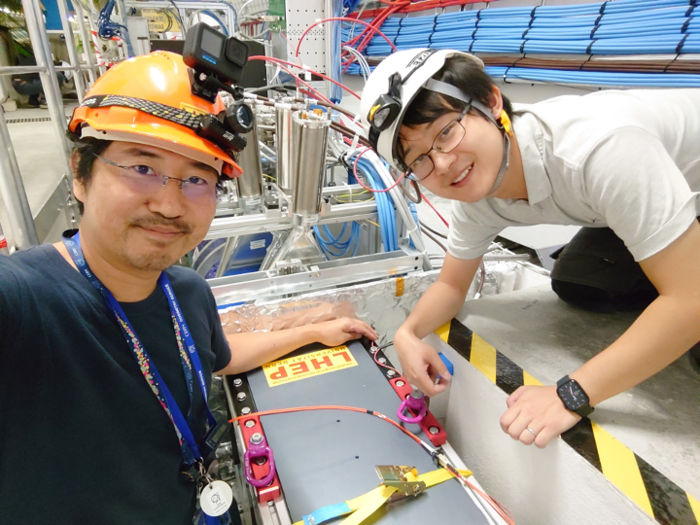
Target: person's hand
{"type": "Point", "coordinates": [420, 363]}
{"type": "Point", "coordinates": [335, 333]}
{"type": "Point", "coordinates": [321, 313]}
{"type": "Point", "coordinates": [539, 409]}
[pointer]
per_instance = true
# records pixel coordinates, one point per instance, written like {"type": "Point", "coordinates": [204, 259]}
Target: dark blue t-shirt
{"type": "Point", "coordinates": [83, 438]}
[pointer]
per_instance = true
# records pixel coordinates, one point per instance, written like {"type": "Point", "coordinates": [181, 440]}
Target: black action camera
{"type": "Point", "coordinates": [210, 52]}
{"type": "Point", "coordinates": [216, 64]}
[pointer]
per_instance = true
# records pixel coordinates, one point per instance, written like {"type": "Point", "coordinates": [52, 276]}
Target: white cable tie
{"type": "Point", "coordinates": [355, 142]}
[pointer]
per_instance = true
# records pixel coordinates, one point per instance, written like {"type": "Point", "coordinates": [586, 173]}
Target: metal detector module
{"type": "Point", "coordinates": [326, 457]}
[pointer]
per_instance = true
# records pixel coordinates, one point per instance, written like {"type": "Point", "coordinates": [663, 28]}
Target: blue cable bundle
{"type": "Point", "coordinates": [331, 243]}
{"type": "Point", "coordinates": [385, 206]}
{"type": "Point", "coordinates": [106, 29]}
{"type": "Point", "coordinates": [622, 27]}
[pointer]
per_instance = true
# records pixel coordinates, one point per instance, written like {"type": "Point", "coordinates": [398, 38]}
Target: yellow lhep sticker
{"type": "Point", "coordinates": [308, 365]}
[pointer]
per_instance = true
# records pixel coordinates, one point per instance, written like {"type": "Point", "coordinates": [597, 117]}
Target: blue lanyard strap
{"type": "Point", "coordinates": [188, 354]}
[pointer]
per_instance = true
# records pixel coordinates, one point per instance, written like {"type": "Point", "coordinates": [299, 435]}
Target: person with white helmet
{"type": "Point", "coordinates": [623, 164]}
{"type": "Point", "coordinates": [107, 349]}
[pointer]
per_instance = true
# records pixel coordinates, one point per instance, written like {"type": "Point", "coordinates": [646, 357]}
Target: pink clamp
{"type": "Point", "coordinates": [257, 448]}
{"type": "Point", "coordinates": [415, 402]}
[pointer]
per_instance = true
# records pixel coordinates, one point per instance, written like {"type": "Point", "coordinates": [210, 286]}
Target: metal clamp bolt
{"type": "Point", "coordinates": [237, 383]}
{"type": "Point", "coordinates": [434, 430]}
{"type": "Point", "coordinates": [250, 423]}
{"type": "Point", "coordinates": [241, 396]}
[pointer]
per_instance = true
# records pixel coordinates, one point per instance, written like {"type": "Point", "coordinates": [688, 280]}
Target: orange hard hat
{"type": "Point", "coordinates": [148, 99]}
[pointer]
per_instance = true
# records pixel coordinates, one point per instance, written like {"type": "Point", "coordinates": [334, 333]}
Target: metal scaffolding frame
{"type": "Point", "coordinates": [20, 228]}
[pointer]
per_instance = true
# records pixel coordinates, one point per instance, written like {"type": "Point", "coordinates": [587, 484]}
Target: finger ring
{"type": "Point", "coordinates": [532, 431]}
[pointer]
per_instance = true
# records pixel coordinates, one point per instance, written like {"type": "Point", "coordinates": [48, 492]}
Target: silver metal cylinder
{"type": "Point", "coordinates": [20, 229]}
{"type": "Point", "coordinates": [250, 183]}
{"type": "Point", "coordinates": [311, 131]}
{"type": "Point", "coordinates": [283, 143]}
{"type": "Point", "coordinates": [70, 46]}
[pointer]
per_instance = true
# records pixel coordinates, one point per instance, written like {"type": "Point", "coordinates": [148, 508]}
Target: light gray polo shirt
{"type": "Point", "coordinates": [628, 160]}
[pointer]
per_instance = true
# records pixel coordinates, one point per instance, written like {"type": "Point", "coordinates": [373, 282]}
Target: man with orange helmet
{"type": "Point", "coordinates": [107, 350]}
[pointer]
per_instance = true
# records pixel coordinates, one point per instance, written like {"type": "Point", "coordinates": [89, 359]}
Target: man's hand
{"type": "Point", "coordinates": [420, 363]}
{"type": "Point", "coordinates": [539, 409]}
{"type": "Point", "coordinates": [335, 333]}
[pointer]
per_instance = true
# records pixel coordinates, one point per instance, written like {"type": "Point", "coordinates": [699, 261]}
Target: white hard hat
{"type": "Point", "coordinates": [391, 88]}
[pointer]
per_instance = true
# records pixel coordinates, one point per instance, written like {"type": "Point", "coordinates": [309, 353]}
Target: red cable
{"type": "Point", "coordinates": [354, 171]}
{"type": "Point", "coordinates": [342, 19]}
{"type": "Point", "coordinates": [435, 210]}
{"type": "Point", "coordinates": [280, 61]}
{"type": "Point", "coordinates": [332, 407]}
{"type": "Point", "coordinates": [374, 355]}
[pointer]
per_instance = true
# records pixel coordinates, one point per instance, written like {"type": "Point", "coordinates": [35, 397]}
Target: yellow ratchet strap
{"type": "Point", "coordinates": [361, 508]}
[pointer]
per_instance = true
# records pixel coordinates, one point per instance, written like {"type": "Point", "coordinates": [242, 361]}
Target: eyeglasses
{"type": "Point", "coordinates": [144, 179]}
{"type": "Point", "coordinates": [446, 141]}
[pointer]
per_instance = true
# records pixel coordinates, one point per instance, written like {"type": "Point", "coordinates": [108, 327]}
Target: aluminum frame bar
{"type": "Point", "coordinates": [42, 53]}
{"type": "Point", "coordinates": [330, 274]}
{"type": "Point", "coordinates": [87, 43]}
{"type": "Point", "coordinates": [247, 224]}
{"type": "Point", "coordinates": [20, 229]}
{"type": "Point", "coordinates": [70, 47]}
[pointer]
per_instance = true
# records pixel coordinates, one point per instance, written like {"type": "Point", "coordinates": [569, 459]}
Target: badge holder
{"type": "Point", "coordinates": [215, 496]}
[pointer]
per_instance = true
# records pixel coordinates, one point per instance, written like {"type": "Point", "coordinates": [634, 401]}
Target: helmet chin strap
{"type": "Point", "coordinates": [505, 162]}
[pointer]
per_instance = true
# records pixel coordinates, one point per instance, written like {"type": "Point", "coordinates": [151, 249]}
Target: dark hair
{"type": "Point", "coordinates": [86, 148]}
{"type": "Point", "coordinates": [462, 73]}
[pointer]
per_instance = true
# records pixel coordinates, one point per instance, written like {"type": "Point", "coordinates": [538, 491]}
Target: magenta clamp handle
{"type": "Point", "coordinates": [254, 451]}
{"type": "Point", "coordinates": [416, 402]}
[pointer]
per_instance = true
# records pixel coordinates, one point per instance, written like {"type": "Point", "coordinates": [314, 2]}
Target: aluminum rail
{"type": "Point", "coordinates": [42, 53]}
{"type": "Point", "coordinates": [20, 228]}
{"type": "Point", "coordinates": [87, 43]}
{"type": "Point", "coordinates": [70, 47]}
{"type": "Point", "coordinates": [330, 274]}
{"type": "Point", "coordinates": [249, 224]}
{"type": "Point", "coordinates": [22, 70]}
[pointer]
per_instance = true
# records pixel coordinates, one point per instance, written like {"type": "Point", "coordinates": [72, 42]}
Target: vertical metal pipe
{"type": "Point", "coordinates": [231, 19]}
{"type": "Point", "coordinates": [40, 45]}
{"type": "Point", "coordinates": [310, 161]}
{"type": "Point", "coordinates": [21, 231]}
{"type": "Point", "coordinates": [70, 46]}
{"type": "Point", "coordinates": [87, 42]}
{"type": "Point", "coordinates": [283, 140]}
{"type": "Point", "coordinates": [250, 183]}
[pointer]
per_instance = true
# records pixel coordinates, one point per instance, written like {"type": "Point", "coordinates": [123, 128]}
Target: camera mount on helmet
{"type": "Point", "coordinates": [216, 64]}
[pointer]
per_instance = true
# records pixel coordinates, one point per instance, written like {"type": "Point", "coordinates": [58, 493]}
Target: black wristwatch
{"type": "Point", "coordinates": [573, 396]}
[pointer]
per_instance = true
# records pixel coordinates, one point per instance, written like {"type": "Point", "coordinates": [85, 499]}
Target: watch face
{"type": "Point", "coordinates": [572, 395]}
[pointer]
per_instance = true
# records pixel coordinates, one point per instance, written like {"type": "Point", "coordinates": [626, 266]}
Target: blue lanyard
{"type": "Point", "coordinates": [188, 444]}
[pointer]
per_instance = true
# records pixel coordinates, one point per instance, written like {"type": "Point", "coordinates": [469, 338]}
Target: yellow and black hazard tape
{"type": "Point", "coordinates": [657, 495]}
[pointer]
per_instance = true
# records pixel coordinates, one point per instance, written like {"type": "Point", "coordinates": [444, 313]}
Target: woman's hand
{"type": "Point", "coordinates": [335, 333]}
{"type": "Point", "coordinates": [536, 415]}
{"type": "Point", "coordinates": [420, 363]}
